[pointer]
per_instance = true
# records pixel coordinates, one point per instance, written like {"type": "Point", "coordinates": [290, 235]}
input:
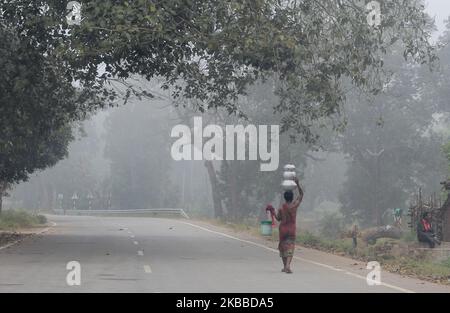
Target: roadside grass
{"type": "Point", "coordinates": [409, 236]}
{"type": "Point", "coordinates": [426, 269]}
{"type": "Point", "coordinates": [339, 246]}
{"type": "Point", "coordinates": [15, 219]}
{"type": "Point", "coordinates": [423, 269]}
{"type": "Point", "coordinates": [381, 251]}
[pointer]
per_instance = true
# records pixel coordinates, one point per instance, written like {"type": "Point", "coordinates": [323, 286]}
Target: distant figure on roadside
{"type": "Point", "coordinates": [398, 217]}
{"type": "Point", "coordinates": [287, 216]}
{"type": "Point", "coordinates": [425, 231]}
{"type": "Point", "coordinates": [354, 234]}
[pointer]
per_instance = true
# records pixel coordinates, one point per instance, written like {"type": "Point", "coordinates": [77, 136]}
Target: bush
{"type": "Point", "coordinates": [20, 219]}
{"type": "Point", "coordinates": [409, 236]}
{"type": "Point", "coordinates": [41, 219]}
{"type": "Point", "coordinates": [331, 225]}
{"type": "Point", "coordinates": [446, 263]}
{"type": "Point", "coordinates": [308, 239]}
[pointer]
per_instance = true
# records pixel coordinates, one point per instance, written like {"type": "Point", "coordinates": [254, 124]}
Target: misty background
{"type": "Point", "coordinates": [392, 146]}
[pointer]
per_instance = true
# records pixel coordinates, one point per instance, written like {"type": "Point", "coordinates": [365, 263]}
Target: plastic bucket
{"type": "Point", "coordinates": [266, 228]}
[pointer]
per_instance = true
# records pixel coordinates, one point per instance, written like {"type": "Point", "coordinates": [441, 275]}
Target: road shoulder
{"type": "Point", "coordinates": [11, 238]}
{"type": "Point", "coordinates": [333, 262]}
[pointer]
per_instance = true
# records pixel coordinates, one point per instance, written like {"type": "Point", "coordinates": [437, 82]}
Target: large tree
{"type": "Point", "coordinates": [212, 50]}
{"type": "Point", "coordinates": [206, 50]}
{"type": "Point", "coordinates": [37, 105]}
{"type": "Point", "coordinates": [239, 189]}
{"type": "Point", "coordinates": [392, 146]}
{"type": "Point", "coordinates": [82, 172]}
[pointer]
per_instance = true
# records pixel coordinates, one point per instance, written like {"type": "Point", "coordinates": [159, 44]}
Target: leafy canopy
{"type": "Point", "coordinates": [37, 105]}
{"type": "Point", "coordinates": [211, 51]}
{"type": "Point", "coordinates": [447, 154]}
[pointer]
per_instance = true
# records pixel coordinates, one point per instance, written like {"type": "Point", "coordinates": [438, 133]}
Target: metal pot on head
{"type": "Point", "coordinates": [289, 176]}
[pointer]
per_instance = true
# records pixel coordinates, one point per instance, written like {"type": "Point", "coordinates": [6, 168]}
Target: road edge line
{"type": "Point", "coordinates": [330, 267]}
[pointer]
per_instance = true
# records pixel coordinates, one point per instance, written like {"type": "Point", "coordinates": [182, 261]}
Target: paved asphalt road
{"type": "Point", "coordinates": [160, 255]}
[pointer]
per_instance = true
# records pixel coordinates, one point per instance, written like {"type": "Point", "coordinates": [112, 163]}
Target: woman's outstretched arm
{"type": "Point", "coordinates": [273, 212]}
{"type": "Point", "coordinates": [299, 199]}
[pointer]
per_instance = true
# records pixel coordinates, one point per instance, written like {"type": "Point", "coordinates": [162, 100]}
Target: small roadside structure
{"type": "Point", "coordinates": [440, 213]}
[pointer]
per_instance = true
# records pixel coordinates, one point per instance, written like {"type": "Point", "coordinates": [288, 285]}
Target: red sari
{"type": "Point", "coordinates": [287, 216]}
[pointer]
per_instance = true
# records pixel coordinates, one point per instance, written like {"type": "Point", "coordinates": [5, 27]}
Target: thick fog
{"type": "Point", "coordinates": [390, 147]}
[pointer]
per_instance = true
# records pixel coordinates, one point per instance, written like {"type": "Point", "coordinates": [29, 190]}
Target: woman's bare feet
{"type": "Point", "coordinates": [288, 271]}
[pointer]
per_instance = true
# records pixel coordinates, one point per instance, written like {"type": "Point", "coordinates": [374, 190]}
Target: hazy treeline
{"type": "Point", "coordinates": [391, 145]}
{"type": "Point", "coordinates": [364, 119]}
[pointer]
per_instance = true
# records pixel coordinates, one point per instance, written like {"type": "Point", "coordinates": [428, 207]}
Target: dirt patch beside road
{"type": "Point", "coordinates": [8, 238]}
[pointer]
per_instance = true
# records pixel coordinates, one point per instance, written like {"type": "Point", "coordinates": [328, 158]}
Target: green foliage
{"type": "Point", "coordinates": [447, 154]}
{"type": "Point", "coordinates": [331, 225]}
{"type": "Point", "coordinates": [37, 105]}
{"type": "Point", "coordinates": [20, 219]}
{"type": "Point", "coordinates": [312, 46]}
{"type": "Point", "coordinates": [82, 172]}
{"type": "Point", "coordinates": [41, 219]}
{"type": "Point", "coordinates": [209, 52]}
{"type": "Point", "coordinates": [446, 263]}
{"type": "Point", "coordinates": [308, 239]}
{"type": "Point", "coordinates": [409, 236]}
{"type": "Point", "coordinates": [391, 147]}
{"type": "Point", "coordinates": [424, 268]}
{"type": "Point", "coordinates": [244, 189]}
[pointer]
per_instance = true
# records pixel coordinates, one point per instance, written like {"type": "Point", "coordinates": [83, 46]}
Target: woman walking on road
{"type": "Point", "coordinates": [287, 216]}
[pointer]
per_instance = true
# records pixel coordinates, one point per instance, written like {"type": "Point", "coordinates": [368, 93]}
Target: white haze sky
{"type": "Point", "coordinates": [440, 10]}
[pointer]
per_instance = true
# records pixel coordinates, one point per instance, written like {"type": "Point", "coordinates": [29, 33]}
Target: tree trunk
{"type": "Point", "coordinates": [2, 193]}
{"type": "Point", "coordinates": [234, 193]}
{"type": "Point", "coordinates": [217, 201]}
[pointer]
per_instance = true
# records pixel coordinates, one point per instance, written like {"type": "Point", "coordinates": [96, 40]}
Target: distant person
{"type": "Point", "coordinates": [287, 216]}
{"type": "Point", "coordinates": [354, 234]}
{"type": "Point", "coordinates": [398, 217]}
{"type": "Point", "coordinates": [425, 231]}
